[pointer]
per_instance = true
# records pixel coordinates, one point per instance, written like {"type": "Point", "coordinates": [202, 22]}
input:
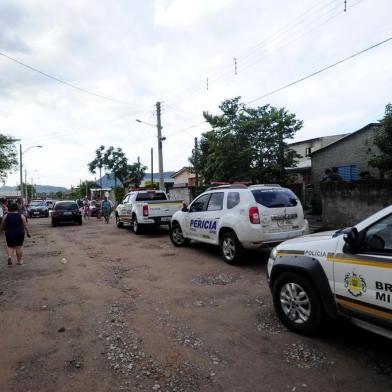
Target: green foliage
{"type": "Point", "coordinates": [59, 195]}
{"type": "Point", "coordinates": [153, 184]}
{"type": "Point", "coordinates": [246, 143]}
{"type": "Point", "coordinates": [136, 171]}
{"type": "Point", "coordinates": [83, 189]}
{"type": "Point", "coordinates": [8, 156]}
{"type": "Point", "coordinates": [383, 140]}
{"type": "Point", "coordinates": [119, 193]}
{"type": "Point", "coordinates": [31, 191]}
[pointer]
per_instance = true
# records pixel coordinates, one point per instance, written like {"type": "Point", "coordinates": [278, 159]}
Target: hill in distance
{"type": "Point", "coordinates": [39, 188]}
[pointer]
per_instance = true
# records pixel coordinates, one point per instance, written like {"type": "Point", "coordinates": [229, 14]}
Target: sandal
{"type": "Point", "coordinates": [9, 261]}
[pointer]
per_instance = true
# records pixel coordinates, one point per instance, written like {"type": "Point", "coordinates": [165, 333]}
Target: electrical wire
{"type": "Point", "coordinates": [261, 45]}
{"type": "Point", "coordinates": [186, 129]}
{"type": "Point", "coordinates": [81, 89]}
{"type": "Point", "coordinates": [320, 70]}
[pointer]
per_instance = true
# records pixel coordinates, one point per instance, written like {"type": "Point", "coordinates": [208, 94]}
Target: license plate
{"type": "Point", "coordinates": [285, 222]}
{"type": "Point", "coordinates": [67, 213]}
{"type": "Point", "coordinates": [165, 219]}
{"type": "Point", "coordinates": [36, 213]}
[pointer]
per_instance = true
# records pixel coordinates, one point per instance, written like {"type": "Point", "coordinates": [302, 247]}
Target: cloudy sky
{"type": "Point", "coordinates": [141, 52]}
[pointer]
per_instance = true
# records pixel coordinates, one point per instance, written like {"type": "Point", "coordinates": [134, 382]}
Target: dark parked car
{"type": "Point", "coordinates": [37, 208]}
{"type": "Point", "coordinates": [66, 211]}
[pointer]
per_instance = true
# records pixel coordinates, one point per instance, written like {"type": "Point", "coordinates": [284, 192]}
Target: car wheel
{"type": "Point", "coordinates": [136, 228]}
{"type": "Point", "coordinates": [54, 224]}
{"type": "Point", "coordinates": [177, 236]}
{"type": "Point", "coordinates": [298, 304]}
{"type": "Point", "coordinates": [118, 222]}
{"type": "Point", "coordinates": [80, 222]}
{"type": "Point", "coordinates": [230, 247]}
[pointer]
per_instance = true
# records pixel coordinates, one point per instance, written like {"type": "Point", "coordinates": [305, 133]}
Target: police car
{"type": "Point", "coordinates": [237, 217]}
{"type": "Point", "coordinates": [342, 273]}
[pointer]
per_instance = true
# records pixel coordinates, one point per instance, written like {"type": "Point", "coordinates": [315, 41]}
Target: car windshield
{"type": "Point", "coordinates": [66, 206]}
{"type": "Point", "coordinates": [37, 203]}
{"type": "Point", "coordinates": [275, 198]}
{"type": "Point", "coordinates": [146, 196]}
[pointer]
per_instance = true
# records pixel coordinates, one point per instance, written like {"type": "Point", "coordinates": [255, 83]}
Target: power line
{"type": "Point", "coordinates": [320, 71]}
{"type": "Point", "coordinates": [81, 89]}
{"type": "Point", "coordinates": [186, 129]}
{"type": "Point", "coordinates": [250, 54]}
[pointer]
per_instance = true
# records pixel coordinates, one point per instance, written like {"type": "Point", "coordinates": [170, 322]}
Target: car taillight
{"type": "Point", "coordinates": [254, 216]}
{"type": "Point", "coordinates": [145, 210]}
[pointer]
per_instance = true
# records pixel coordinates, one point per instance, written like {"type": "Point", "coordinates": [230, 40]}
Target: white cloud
{"type": "Point", "coordinates": [142, 52]}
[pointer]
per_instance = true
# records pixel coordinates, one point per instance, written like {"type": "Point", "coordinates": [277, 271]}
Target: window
{"type": "Point", "coordinates": [147, 196]}
{"type": "Point", "coordinates": [233, 199]}
{"type": "Point", "coordinates": [126, 199]}
{"type": "Point", "coordinates": [378, 238]}
{"type": "Point", "coordinates": [200, 203]}
{"type": "Point", "coordinates": [348, 172]}
{"type": "Point", "coordinates": [66, 206]}
{"type": "Point", "coordinates": [308, 151]}
{"type": "Point", "coordinates": [274, 198]}
{"type": "Point", "coordinates": [216, 202]}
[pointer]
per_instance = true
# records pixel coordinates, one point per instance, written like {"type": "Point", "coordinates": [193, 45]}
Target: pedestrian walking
{"type": "Point", "coordinates": [15, 226]}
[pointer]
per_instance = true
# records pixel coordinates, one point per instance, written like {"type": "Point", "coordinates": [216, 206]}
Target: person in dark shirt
{"type": "Point", "coordinates": [14, 225]}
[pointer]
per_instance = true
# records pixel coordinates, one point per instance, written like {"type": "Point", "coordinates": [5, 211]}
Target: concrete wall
{"type": "Point", "coordinates": [356, 149]}
{"type": "Point", "coordinates": [347, 203]}
{"type": "Point", "coordinates": [180, 193]}
{"type": "Point", "coordinates": [314, 144]}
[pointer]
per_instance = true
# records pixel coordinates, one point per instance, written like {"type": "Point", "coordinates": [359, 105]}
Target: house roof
{"type": "Point", "coordinates": [317, 138]}
{"type": "Point", "coordinates": [365, 128]}
{"type": "Point", "coordinates": [177, 173]}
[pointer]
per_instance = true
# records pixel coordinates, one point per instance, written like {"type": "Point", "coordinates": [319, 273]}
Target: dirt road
{"type": "Point", "coordinates": [97, 308]}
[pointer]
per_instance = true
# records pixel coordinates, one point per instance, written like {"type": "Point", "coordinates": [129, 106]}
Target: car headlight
{"type": "Point", "coordinates": [273, 253]}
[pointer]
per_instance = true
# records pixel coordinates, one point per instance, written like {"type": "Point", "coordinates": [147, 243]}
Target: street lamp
{"type": "Point", "coordinates": [21, 166]}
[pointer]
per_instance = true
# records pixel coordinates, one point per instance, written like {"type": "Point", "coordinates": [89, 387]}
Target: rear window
{"type": "Point", "coordinates": [37, 203]}
{"type": "Point", "coordinates": [66, 206]}
{"type": "Point", "coordinates": [275, 198]}
{"type": "Point", "coordinates": [146, 196]}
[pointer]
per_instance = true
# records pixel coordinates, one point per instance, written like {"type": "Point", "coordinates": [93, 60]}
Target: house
{"type": "Point", "coordinates": [300, 176]}
{"type": "Point", "coordinates": [184, 180]}
{"type": "Point", "coordinates": [349, 154]}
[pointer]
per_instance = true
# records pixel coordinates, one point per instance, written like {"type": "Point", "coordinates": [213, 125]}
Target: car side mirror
{"type": "Point", "coordinates": [351, 237]}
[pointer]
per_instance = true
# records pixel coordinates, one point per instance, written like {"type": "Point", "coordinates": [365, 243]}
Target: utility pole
{"type": "Point", "coordinates": [21, 171]}
{"type": "Point", "coordinates": [160, 157]}
{"type": "Point", "coordinates": [138, 172]}
{"type": "Point", "coordinates": [152, 167]}
{"type": "Point", "coordinates": [196, 163]}
{"type": "Point", "coordinates": [25, 187]}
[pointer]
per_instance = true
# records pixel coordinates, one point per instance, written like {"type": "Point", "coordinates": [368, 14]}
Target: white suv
{"type": "Point", "coordinates": [237, 217]}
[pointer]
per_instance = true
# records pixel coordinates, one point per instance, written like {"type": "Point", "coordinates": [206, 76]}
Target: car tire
{"type": "Point", "coordinates": [118, 222]}
{"type": "Point", "coordinates": [231, 249]}
{"type": "Point", "coordinates": [80, 222]}
{"type": "Point", "coordinates": [136, 228]}
{"type": "Point", "coordinates": [297, 303]}
{"type": "Point", "coordinates": [54, 224]}
{"type": "Point", "coordinates": [177, 236]}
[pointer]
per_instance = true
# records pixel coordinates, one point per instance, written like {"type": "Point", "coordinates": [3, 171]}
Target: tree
{"type": "Point", "coordinates": [246, 143]}
{"type": "Point", "coordinates": [31, 191]}
{"type": "Point", "coordinates": [136, 171]}
{"type": "Point", "coordinates": [383, 140]}
{"type": "Point", "coordinates": [8, 156]}
{"type": "Point", "coordinates": [151, 184]}
{"type": "Point", "coordinates": [116, 161]}
{"type": "Point", "coordinates": [98, 162]}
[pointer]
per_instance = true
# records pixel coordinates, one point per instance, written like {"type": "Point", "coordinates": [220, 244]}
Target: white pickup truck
{"type": "Point", "coordinates": [146, 208]}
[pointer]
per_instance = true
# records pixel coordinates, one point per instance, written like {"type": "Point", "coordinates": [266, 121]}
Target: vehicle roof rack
{"type": "Point", "coordinates": [229, 186]}
{"type": "Point", "coordinates": [265, 185]}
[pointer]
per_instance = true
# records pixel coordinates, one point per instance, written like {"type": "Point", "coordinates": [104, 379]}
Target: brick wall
{"type": "Point", "coordinates": [347, 203]}
{"type": "Point", "coordinates": [356, 149]}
